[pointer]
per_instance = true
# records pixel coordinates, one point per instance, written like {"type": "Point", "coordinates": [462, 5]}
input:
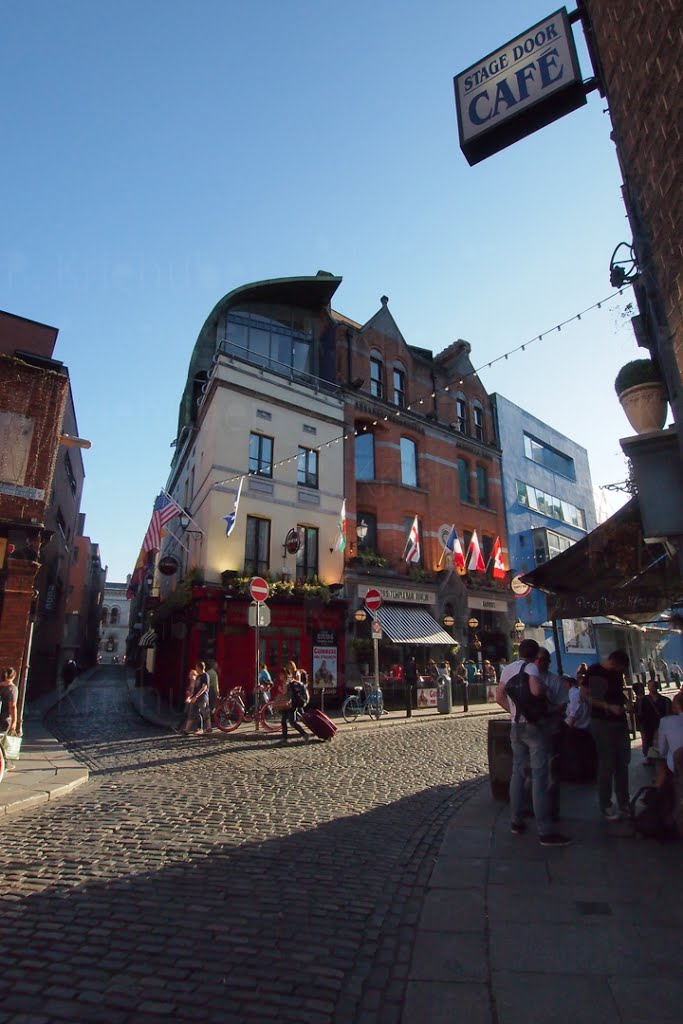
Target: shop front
{"type": "Point", "coordinates": [215, 626]}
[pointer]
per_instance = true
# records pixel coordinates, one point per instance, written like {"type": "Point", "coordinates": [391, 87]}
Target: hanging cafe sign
{"type": "Point", "coordinates": [521, 87]}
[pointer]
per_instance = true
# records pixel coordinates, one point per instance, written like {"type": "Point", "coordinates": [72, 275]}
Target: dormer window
{"type": "Point", "coordinates": [376, 382]}
{"type": "Point", "coordinates": [399, 388]}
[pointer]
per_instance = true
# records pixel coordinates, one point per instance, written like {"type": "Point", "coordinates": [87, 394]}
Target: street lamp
{"type": "Point", "coordinates": [362, 530]}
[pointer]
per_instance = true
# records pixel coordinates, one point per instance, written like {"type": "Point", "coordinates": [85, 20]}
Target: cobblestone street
{"type": "Point", "coordinates": [226, 879]}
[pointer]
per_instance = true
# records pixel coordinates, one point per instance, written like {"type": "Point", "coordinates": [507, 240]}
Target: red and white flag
{"type": "Point", "coordinates": [499, 570]}
{"type": "Point", "coordinates": [475, 559]}
{"type": "Point", "coordinates": [412, 549]}
{"type": "Point", "coordinates": [165, 509]}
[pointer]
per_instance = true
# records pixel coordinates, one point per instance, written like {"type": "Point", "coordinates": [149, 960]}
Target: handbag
{"type": "Point", "coordinates": [282, 704]}
{"type": "Point", "coordinates": [12, 746]}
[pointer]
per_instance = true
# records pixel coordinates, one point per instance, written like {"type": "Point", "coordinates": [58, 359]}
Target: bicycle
{"type": "Point", "coordinates": [2, 762]}
{"type": "Point", "coordinates": [231, 711]}
{"type": "Point", "coordinates": [372, 704]}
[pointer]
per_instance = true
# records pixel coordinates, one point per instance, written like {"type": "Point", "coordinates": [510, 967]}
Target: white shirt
{"type": "Point", "coordinates": [670, 737]}
{"type": "Point", "coordinates": [511, 670]}
{"type": "Point", "coordinates": [578, 709]}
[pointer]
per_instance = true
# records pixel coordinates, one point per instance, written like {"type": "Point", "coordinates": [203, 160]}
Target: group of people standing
{"type": "Point", "coordinates": [594, 705]}
{"type": "Point", "coordinates": [202, 693]}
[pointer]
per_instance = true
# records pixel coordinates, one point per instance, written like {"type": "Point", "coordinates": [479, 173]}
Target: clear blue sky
{"type": "Point", "coordinates": [159, 154]}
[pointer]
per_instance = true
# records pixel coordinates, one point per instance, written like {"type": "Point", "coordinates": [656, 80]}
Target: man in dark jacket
{"type": "Point", "coordinates": [603, 687]}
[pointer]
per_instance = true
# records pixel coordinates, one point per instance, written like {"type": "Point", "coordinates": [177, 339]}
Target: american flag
{"type": "Point", "coordinates": [164, 510]}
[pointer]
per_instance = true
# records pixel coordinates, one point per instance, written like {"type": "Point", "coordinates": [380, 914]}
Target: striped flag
{"type": "Point", "coordinates": [475, 560]}
{"type": "Point", "coordinates": [340, 543]}
{"type": "Point", "coordinates": [412, 549]}
{"type": "Point", "coordinates": [164, 510]}
{"type": "Point", "coordinates": [455, 547]}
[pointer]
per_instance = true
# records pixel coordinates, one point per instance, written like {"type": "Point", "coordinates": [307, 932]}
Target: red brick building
{"type": "Point", "coordinates": [422, 444]}
{"type": "Point", "coordinates": [32, 401]}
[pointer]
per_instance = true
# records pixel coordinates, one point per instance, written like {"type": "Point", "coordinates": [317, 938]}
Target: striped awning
{"type": "Point", "coordinates": [148, 639]}
{"type": "Point", "coordinates": [411, 626]}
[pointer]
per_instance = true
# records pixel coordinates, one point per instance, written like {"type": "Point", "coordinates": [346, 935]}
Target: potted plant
{"type": "Point", "coordinates": [641, 391]}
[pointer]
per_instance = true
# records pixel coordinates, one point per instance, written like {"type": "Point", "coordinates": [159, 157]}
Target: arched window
{"type": "Point", "coordinates": [365, 457]}
{"type": "Point", "coordinates": [376, 377]}
{"type": "Point", "coordinates": [478, 417]}
{"type": "Point", "coordinates": [465, 481]}
{"type": "Point", "coordinates": [114, 618]}
{"type": "Point", "coordinates": [105, 616]}
{"type": "Point", "coordinates": [399, 381]}
{"type": "Point", "coordinates": [483, 486]}
{"type": "Point", "coordinates": [460, 415]}
{"type": "Point", "coordinates": [408, 462]}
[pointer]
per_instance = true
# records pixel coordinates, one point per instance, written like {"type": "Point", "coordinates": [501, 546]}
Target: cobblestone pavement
{"type": "Point", "coordinates": [225, 879]}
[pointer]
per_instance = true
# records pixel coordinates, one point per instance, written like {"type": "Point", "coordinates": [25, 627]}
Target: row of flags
{"type": "Point", "coordinates": [165, 509]}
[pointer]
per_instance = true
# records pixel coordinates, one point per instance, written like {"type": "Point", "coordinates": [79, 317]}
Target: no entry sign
{"type": "Point", "coordinates": [373, 600]}
{"type": "Point", "coordinates": [259, 589]}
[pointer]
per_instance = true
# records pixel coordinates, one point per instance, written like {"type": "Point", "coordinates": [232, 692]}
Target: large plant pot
{"type": "Point", "coordinates": [645, 406]}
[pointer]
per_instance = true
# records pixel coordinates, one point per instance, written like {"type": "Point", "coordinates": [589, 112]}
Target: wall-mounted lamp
{"type": "Point", "coordinates": [360, 615]}
{"type": "Point", "coordinates": [362, 530]}
{"type": "Point", "coordinates": [185, 521]}
{"type": "Point", "coordinates": [448, 621]}
{"type": "Point", "coordinates": [519, 628]}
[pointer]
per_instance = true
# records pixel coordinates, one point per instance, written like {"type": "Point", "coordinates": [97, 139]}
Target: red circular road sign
{"type": "Point", "coordinates": [373, 600]}
{"type": "Point", "coordinates": [259, 589]}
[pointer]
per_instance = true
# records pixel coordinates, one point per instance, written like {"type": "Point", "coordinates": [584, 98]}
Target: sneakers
{"type": "Point", "coordinates": [555, 839]}
{"type": "Point", "coordinates": [517, 828]}
{"type": "Point", "coordinates": [611, 814]}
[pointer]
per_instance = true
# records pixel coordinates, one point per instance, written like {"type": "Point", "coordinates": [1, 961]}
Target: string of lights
{"type": "Point", "coordinates": [414, 405]}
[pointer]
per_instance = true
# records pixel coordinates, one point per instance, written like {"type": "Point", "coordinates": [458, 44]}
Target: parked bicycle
{"type": "Point", "coordinates": [231, 711]}
{"type": "Point", "coordinates": [372, 704]}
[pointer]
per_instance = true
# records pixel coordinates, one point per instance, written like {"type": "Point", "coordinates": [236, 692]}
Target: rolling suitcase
{"type": "Point", "coordinates": [319, 724]}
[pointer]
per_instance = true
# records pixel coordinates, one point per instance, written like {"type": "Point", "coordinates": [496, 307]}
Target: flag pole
{"type": "Point", "coordinates": [182, 512]}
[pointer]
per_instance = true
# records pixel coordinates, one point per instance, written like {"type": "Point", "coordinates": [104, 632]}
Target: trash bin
{"type": "Point", "coordinates": [444, 697]}
{"type": "Point", "coordinates": [500, 757]}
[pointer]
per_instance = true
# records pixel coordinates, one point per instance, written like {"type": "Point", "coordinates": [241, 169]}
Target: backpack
{"type": "Point", "coordinates": [299, 694]}
{"type": "Point", "coordinates": [651, 814]}
{"type": "Point", "coordinates": [517, 688]}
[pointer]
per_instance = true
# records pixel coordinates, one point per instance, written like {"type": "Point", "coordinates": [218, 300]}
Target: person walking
{"type": "Point", "coordinates": [557, 696]}
{"type": "Point", "coordinates": [297, 693]}
{"type": "Point", "coordinates": [529, 742]}
{"type": "Point", "coordinates": [604, 690]}
{"type": "Point", "coordinates": [214, 688]}
{"type": "Point", "coordinates": [676, 673]}
{"type": "Point", "coordinates": [188, 723]}
{"type": "Point", "coordinates": [650, 709]}
{"type": "Point", "coordinates": [9, 697]}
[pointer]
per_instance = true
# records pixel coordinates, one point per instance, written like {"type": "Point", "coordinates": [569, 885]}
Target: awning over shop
{"type": "Point", "coordinates": [411, 626]}
{"type": "Point", "coordinates": [148, 639]}
{"type": "Point", "coordinates": [612, 571]}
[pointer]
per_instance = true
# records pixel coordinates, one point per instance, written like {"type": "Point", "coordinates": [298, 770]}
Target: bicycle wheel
{"type": "Point", "coordinates": [228, 716]}
{"type": "Point", "coordinates": [2, 762]}
{"type": "Point", "coordinates": [374, 706]}
{"type": "Point", "coordinates": [271, 720]}
{"type": "Point", "coordinates": [351, 709]}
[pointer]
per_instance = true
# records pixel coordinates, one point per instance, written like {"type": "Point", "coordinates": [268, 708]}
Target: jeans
{"type": "Point", "coordinates": [613, 744]}
{"type": "Point", "coordinates": [530, 751]}
{"type": "Point", "coordinates": [290, 717]}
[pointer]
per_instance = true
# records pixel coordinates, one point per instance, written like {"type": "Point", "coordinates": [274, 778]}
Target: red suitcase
{"type": "Point", "coordinates": [319, 724]}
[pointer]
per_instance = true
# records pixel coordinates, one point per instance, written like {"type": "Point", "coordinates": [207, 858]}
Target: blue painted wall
{"type": "Point", "coordinates": [512, 424]}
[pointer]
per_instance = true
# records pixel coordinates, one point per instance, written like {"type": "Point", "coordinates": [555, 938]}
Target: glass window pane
{"type": "Point", "coordinates": [365, 457]}
{"type": "Point", "coordinates": [408, 463]}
